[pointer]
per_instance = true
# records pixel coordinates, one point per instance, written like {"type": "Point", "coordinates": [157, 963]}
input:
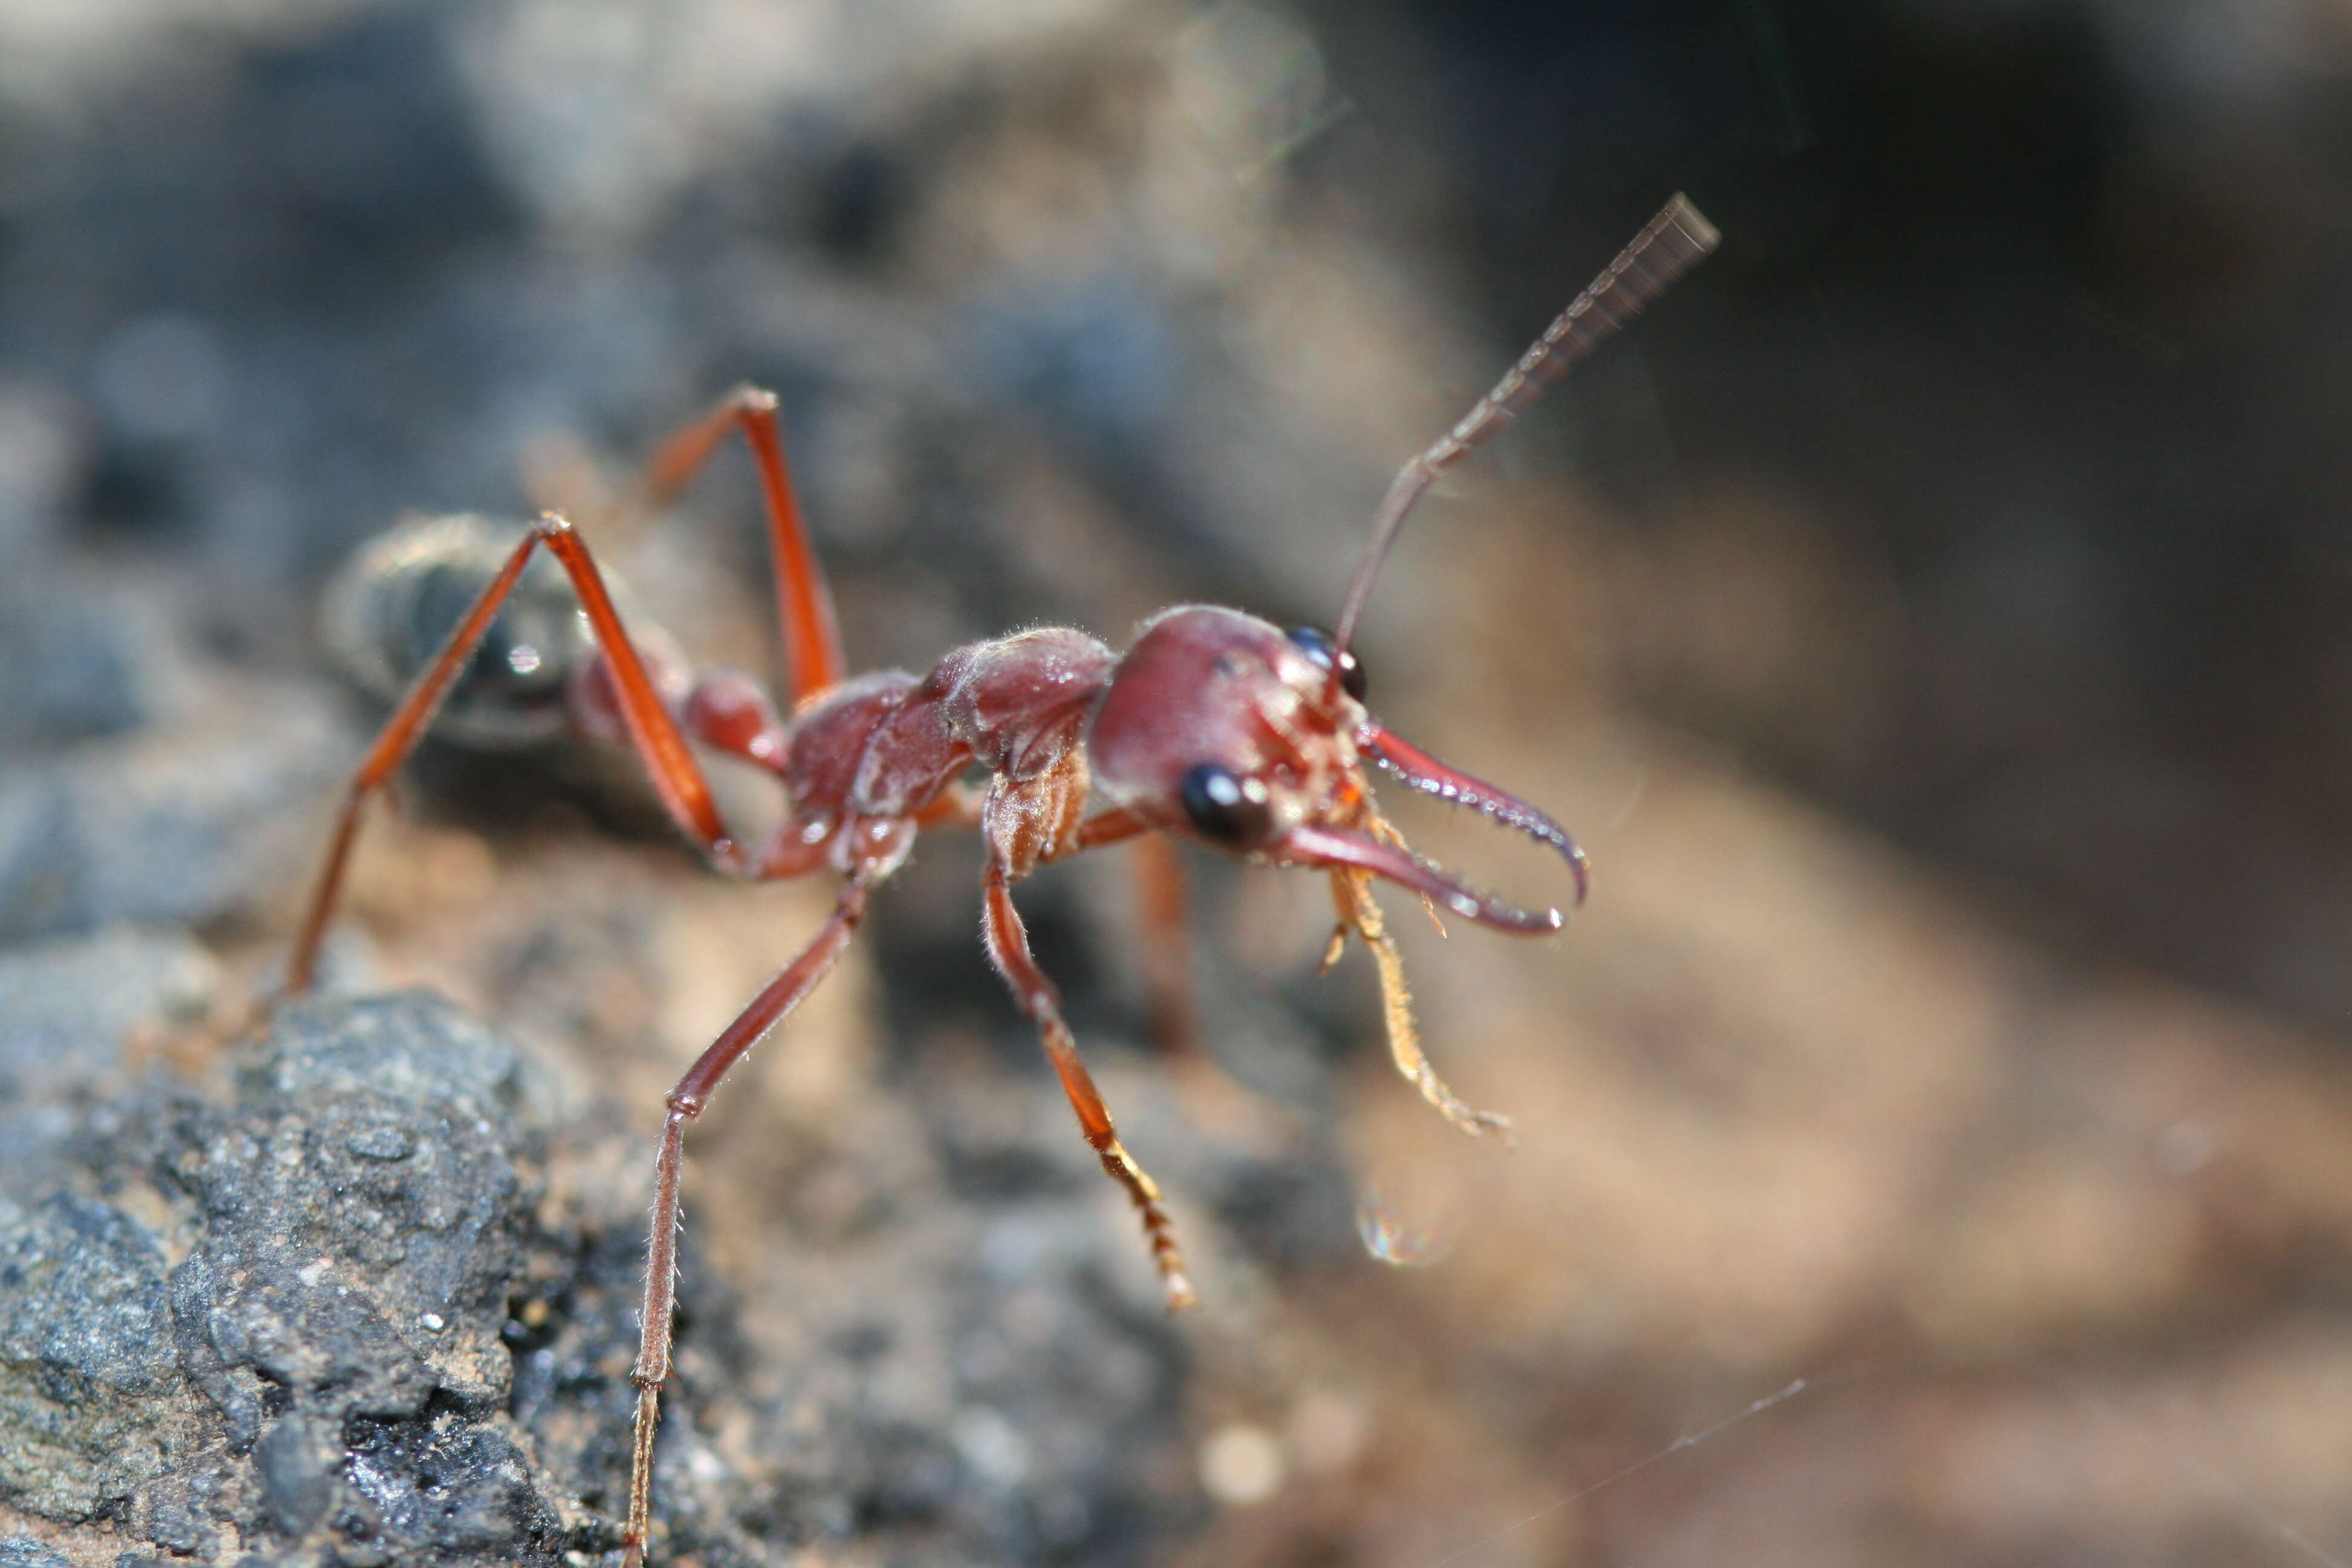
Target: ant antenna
{"type": "Point", "coordinates": [1675, 241]}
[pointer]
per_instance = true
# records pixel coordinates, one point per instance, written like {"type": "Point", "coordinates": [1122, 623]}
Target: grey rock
{"type": "Point", "coordinates": [85, 1363]}
{"type": "Point", "coordinates": [323, 1261]}
{"type": "Point", "coordinates": [343, 1317]}
{"type": "Point", "coordinates": [66, 1010]}
{"type": "Point", "coordinates": [193, 822]}
{"type": "Point", "coordinates": [40, 875]}
{"type": "Point", "coordinates": [65, 1006]}
{"type": "Point", "coordinates": [82, 665]}
{"type": "Point", "coordinates": [325, 1366]}
{"type": "Point", "coordinates": [298, 1458]}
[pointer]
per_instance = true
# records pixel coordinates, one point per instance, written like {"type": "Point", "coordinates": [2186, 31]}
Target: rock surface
{"type": "Point", "coordinates": [345, 1318]}
{"type": "Point", "coordinates": [283, 1323]}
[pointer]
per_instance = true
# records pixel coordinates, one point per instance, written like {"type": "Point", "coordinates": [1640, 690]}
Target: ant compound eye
{"type": "Point", "coordinates": [1226, 807]}
{"type": "Point", "coordinates": [1313, 642]}
{"type": "Point", "coordinates": [1318, 648]}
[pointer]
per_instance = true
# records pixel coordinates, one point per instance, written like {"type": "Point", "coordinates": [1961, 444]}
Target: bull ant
{"type": "Point", "coordinates": [1216, 728]}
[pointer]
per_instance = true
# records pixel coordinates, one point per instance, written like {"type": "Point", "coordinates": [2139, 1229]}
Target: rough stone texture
{"type": "Point", "coordinates": [20, 1552]}
{"type": "Point", "coordinates": [341, 1319]}
{"type": "Point", "coordinates": [359, 1221]}
{"type": "Point", "coordinates": [322, 1369]}
{"type": "Point", "coordinates": [86, 1319]}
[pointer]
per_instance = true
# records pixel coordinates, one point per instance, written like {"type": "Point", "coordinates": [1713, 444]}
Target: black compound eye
{"type": "Point", "coordinates": [1317, 646]}
{"type": "Point", "coordinates": [1232, 810]}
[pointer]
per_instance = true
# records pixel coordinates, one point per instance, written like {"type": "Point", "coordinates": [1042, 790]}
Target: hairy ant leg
{"type": "Point", "coordinates": [775, 1002]}
{"type": "Point", "coordinates": [1116, 825]}
{"type": "Point", "coordinates": [1023, 823]}
{"type": "Point", "coordinates": [811, 638]}
{"type": "Point", "coordinates": [1162, 903]}
{"type": "Point", "coordinates": [1162, 897]}
{"type": "Point", "coordinates": [669, 762]}
{"type": "Point", "coordinates": [1008, 949]}
{"type": "Point", "coordinates": [1217, 1097]}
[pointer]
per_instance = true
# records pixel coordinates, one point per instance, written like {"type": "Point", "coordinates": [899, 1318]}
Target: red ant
{"type": "Point", "coordinates": [1214, 727]}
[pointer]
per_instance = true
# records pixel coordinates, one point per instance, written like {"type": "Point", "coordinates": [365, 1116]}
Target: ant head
{"type": "Point", "coordinates": [1216, 729]}
{"type": "Point", "coordinates": [1225, 729]}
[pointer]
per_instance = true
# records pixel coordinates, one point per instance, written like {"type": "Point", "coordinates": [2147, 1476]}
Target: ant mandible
{"type": "Point", "coordinates": [1214, 727]}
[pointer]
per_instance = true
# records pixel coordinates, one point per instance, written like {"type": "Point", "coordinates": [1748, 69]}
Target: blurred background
{"type": "Point", "coordinates": [1935, 618]}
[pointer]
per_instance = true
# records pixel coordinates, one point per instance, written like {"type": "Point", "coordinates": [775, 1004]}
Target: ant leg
{"type": "Point", "coordinates": [1008, 949]}
{"type": "Point", "coordinates": [1162, 900]}
{"type": "Point", "coordinates": [1212, 1095]}
{"type": "Point", "coordinates": [958, 805]}
{"type": "Point", "coordinates": [812, 657]}
{"type": "Point", "coordinates": [1167, 939]}
{"type": "Point", "coordinates": [726, 709]}
{"type": "Point", "coordinates": [669, 763]}
{"type": "Point", "coordinates": [1114, 826]}
{"type": "Point", "coordinates": [778, 997]}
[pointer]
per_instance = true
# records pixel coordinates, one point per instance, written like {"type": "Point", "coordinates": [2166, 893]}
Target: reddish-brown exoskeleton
{"type": "Point", "coordinates": [1214, 728]}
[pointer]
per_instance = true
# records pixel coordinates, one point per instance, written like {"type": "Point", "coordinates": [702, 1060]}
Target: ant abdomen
{"type": "Point", "coordinates": [391, 609]}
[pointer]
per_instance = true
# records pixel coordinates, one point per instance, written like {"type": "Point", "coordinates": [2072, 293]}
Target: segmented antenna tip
{"type": "Point", "coordinates": [1670, 245]}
